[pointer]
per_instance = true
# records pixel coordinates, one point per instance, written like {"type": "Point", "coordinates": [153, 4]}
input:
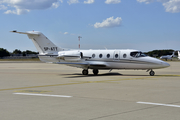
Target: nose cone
{"type": "Point", "coordinates": [157, 64]}
{"type": "Point", "coordinates": [165, 64]}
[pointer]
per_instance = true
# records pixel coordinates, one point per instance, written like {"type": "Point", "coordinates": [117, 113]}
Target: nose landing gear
{"type": "Point", "coordinates": [151, 73]}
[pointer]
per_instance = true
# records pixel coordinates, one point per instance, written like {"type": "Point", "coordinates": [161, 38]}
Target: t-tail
{"type": "Point", "coordinates": [173, 54]}
{"type": "Point", "coordinates": [42, 44]}
{"type": "Point", "coordinates": [178, 55]}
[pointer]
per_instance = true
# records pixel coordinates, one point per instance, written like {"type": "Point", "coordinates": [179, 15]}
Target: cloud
{"type": "Point", "coordinates": [172, 6]}
{"type": "Point", "coordinates": [150, 1]}
{"type": "Point", "coordinates": [109, 22]}
{"type": "Point", "coordinates": [72, 2]}
{"type": "Point", "coordinates": [65, 33]}
{"type": "Point", "coordinates": [146, 1]}
{"type": "Point", "coordinates": [163, 1]}
{"type": "Point", "coordinates": [55, 5]}
{"type": "Point", "coordinates": [2, 7]}
{"type": "Point", "coordinates": [25, 6]}
{"type": "Point", "coordinates": [112, 1]}
{"type": "Point", "coordinates": [89, 2]}
{"type": "Point", "coordinates": [17, 11]}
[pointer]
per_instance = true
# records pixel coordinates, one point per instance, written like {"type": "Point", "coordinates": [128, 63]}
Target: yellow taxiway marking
{"type": "Point", "coordinates": [31, 91]}
{"type": "Point", "coordinates": [116, 80]}
{"type": "Point", "coordinates": [84, 82]}
{"type": "Point", "coordinates": [168, 75]}
{"type": "Point", "coordinates": [38, 86]}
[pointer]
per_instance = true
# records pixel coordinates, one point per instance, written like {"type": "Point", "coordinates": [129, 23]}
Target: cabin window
{"type": "Point", "coordinates": [124, 55]}
{"type": "Point", "coordinates": [138, 54]}
{"type": "Point", "coordinates": [108, 55]}
{"type": "Point", "coordinates": [100, 55]}
{"type": "Point", "coordinates": [116, 55]}
{"type": "Point", "coordinates": [93, 55]}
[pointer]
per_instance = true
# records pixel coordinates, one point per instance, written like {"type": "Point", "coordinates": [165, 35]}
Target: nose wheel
{"type": "Point", "coordinates": [85, 72]}
{"type": "Point", "coordinates": [151, 73]}
{"type": "Point", "coordinates": [95, 71]}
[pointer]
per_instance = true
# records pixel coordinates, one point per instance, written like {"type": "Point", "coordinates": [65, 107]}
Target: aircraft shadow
{"type": "Point", "coordinates": [76, 75]}
{"type": "Point", "coordinates": [90, 75]}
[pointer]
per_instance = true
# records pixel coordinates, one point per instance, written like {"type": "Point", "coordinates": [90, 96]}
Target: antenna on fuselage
{"type": "Point", "coordinates": [79, 41]}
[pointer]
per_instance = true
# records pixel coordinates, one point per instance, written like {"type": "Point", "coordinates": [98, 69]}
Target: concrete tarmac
{"type": "Point", "coordinates": [40, 91]}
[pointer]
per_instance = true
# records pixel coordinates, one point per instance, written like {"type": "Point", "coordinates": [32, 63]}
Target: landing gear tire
{"type": "Point", "coordinates": [85, 72]}
{"type": "Point", "coordinates": [95, 71]}
{"type": "Point", "coordinates": [151, 73]}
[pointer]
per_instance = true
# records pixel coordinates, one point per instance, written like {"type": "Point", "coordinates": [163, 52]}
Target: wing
{"type": "Point", "coordinates": [91, 65]}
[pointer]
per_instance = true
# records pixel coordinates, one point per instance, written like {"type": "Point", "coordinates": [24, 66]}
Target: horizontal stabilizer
{"type": "Point", "coordinates": [28, 33]}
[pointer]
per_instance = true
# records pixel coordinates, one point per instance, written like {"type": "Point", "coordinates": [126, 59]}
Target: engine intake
{"type": "Point", "coordinates": [70, 56]}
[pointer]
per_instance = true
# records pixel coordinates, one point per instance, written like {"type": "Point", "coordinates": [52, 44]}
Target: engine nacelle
{"type": "Point", "coordinates": [70, 56]}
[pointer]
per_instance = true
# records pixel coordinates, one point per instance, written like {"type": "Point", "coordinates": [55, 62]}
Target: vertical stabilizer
{"type": "Point", "coordinates": [41, 42]}
{"type": "Point", "coordinates": [178, 55]}
{"type": "Point", "coordinates": [173, 54]}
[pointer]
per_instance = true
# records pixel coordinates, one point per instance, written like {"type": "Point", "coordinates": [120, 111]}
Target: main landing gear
{"type": "Point", "coordinates": [95, 71]}
{"type": "Point", "coordinates": [151, 73]}
{"type": "Point", "coordinates": [85, 71]}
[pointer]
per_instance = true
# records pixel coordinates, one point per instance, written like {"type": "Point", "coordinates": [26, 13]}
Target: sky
{"type": "Point", "coordinates": [144, 25]}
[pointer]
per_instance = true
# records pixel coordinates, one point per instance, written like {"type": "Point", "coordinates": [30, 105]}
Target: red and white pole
{"type": "Point", "coordinates": [79, 41]}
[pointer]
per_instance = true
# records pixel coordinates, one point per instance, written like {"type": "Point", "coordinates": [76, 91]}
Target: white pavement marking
{"type": "Point", "coordinates": [46, 95]}
{"type": "Point", "coordinates": [160, 104]}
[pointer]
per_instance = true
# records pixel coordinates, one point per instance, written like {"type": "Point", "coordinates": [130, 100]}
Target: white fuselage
{"type": "Point", "coordinates": [113, 59]}
{"type": "Point", "coordinates": [166, 57]}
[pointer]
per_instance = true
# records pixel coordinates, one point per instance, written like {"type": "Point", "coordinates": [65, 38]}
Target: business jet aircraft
{"type": "Point", "coordinates": [168, 56]}
{"type": "Point", "coordinates": [178, 55]}
{"type": "Point", "coordinates": [93, 59]}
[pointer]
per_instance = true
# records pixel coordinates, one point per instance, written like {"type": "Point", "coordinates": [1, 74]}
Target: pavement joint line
{"type": "Point", "coordinates": [170, 105]}
{"type": "Point", "coordinates": [115, 114]}
{"type": "Point", "coordinates": [81, 82]}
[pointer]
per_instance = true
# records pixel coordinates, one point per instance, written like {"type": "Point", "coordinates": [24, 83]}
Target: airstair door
{"type": "Point", "coordinates": [116, 55]}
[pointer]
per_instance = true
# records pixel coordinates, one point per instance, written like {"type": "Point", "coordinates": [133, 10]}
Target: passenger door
{"type": "Point", "coordinates": [116, 55]}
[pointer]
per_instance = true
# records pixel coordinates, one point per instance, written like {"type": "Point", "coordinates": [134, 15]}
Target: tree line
{"type": "Point", "coordinates": [154, 53]}
{"type": "Point", "coordinates": [5, 53]}
{"type": "Point", "coordinates": [159, 53]}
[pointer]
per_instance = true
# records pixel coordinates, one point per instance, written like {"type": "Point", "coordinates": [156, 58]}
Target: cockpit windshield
{"type": "Point", "coordinates": [137, 54]}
